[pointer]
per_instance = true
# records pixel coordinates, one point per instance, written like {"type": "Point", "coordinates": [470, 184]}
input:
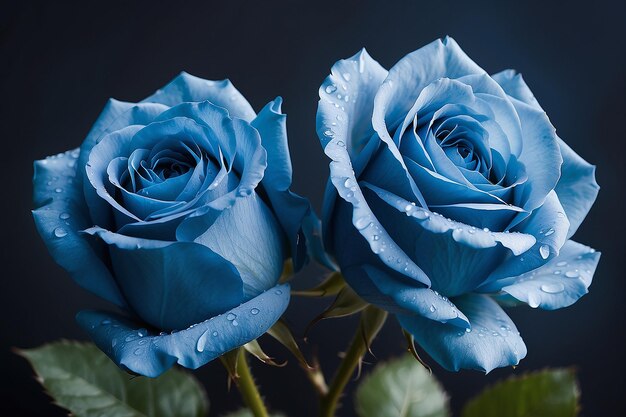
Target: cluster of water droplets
{"type": "Point", "coordinates": [555, 277]}
{"type": "Point", "coordinates": [64, 166]}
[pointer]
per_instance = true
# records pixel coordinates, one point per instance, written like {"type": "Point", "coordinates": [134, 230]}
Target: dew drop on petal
{"type": "Point", "coordinates": [60, 232]}
{"type": "Point", "coordinates": [552, 287]}
{"type": "Point", "coordinates": [202, 342]}
{"type": "Point", "coordinates": [544, 251]}
{"type": "Point", "coordinates": [64, 216]}
{"type": "Point", "coordinates": [331, 88]}
{"type": "Point", "coordinates": [534, 300]}
{"type": "Point", "coordinates": [362, 223]}
{"type": "Point", "coordinates": [231, 316]}
{"type": "Point", "coordinates": [254, 311]}
{"type": "Point", "coordinates": [572, 274]}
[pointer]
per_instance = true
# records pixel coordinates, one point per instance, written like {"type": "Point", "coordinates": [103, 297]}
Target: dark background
{"type": "Point", "coordinates": [59, 63]}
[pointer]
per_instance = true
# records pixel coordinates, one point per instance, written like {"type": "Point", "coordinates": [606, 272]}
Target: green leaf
{"type": "Point", "coordinates": [83, 380]}
{"type": "Point", "coordinates": [551, 392]}
{"type": "Point", "coordinates": [244, 412]}
{"type": "Point", "coordinates": [401, 388]}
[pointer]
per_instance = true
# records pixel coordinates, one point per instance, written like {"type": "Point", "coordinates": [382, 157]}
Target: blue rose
{"type": "Point", "coordinates": [178, 210]}
{"type": "Point", "coordinates": [450, 195]}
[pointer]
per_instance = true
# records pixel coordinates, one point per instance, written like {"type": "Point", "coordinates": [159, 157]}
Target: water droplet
{"type": "Point", "coordinates": [143, 341]}
{"type": "Point", "coordinates": [544, 251]}
{"type": "Point", "coordinates": [130, 338]}
{"type": "Point", "coordinates": [348, 183]}
{"type": "Point", "coordinates": [58, 190]}
{"type": "Point", "coordinates": [214, 334]}
{"type": "Point", "coordinates": [341, 143]}
{"type": "Point", "coordinates": [113, 342]}
{"type": "Point", "coordinates": [549, 232]}
{"type": "Point", "coordinates": [375, 237]}
{"type": "Point", "coordinates": [468, 330]}
{"type": "Point", "coordinates": [432, 308]}
{"type": "Point", "coordinates": [486, 229]}
{"type": "Point", "coordinates": [75, 153]}
{"type": "Point", "coordinates": [420, 214]}
{"type": "Point", "coordinates": [71, 164]}
{"type": "Point", "coordinates": [346, 76]}
{"type": "Point", "coordinates": [278, 292]}
{"type": "Point", "coordinates": [331, 88]}
{"type": "Point", "coordinates": [534, 300]}
{"type": "Point", "coordinates": [201, 343]}
{"type": "Point", "coordinates": [142, 332]}
{"type": "Point", "coordinates": [350, 194]}
{"type": "Point", "coordinates": [60, 232]}
{"type": "Point", "coordinates": [362, 223]}
{"type": "Point", "coordinates": [231, 316]}
{"type": "Point", "coordinates": [254, 311]}
{"type": "Point", "coordinates": [557, 272]}
{"type": "Point", "coordinates": [328, 133]}
{"type": "Point", "coordinates": [64, 216]}
{"type": "Point", "coordinates": [562, 263]}
{"type": "Point", "coordinates": [572, 274]}
{"type": "Point", "coordinates": [560, 214]}
{"type": "Point", "coordinates": [105, 322]}
{"type": "Point", "coordinates": [235, 323]}
{"type": "Point", "coordinates": [552, 287]}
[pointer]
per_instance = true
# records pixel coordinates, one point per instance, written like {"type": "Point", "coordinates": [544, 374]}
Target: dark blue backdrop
{"type": "Point", "coordinates": [60, 62]}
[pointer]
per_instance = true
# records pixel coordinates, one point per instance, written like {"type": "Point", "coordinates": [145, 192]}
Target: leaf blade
{"type": "Point", "coordinates": [551, 392]}
{"type": "Point", "coordinates": [83, 380]}
{"type": "Point", "coordinates": [401, 388]}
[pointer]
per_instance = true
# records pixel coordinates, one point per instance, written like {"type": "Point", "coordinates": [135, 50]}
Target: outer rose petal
{"type": "Point", "coordinates": [577, 188]}
{"type": "Point", "coordinates": [186, 87]}
{"type": "Point", "coordinates": [493, 341]}
{"type": "Point", "coordinates": [172, 285]}
{"type": "Point", "coordinates": [247, 235]}
{"type": "Point", "coordinates": [560, 282]}
{"type": "Point", "coordinates": [335, 128]}
{"type": "Point", "coordinates": [60, 216]}
{"type": "Point", "coordinates": [134, 348]}
{"type": "Point", "coordinates": [290, 208]}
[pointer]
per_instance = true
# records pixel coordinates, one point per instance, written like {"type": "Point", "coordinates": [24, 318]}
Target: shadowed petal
{"type": "Point", "coordinates": [146, 353]}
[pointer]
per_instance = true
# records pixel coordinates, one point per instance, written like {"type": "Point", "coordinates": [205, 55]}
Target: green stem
{"type": "Point", "coordinates": [247, 387]}
{"type": "Point", "coordinates": [366, 331]}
